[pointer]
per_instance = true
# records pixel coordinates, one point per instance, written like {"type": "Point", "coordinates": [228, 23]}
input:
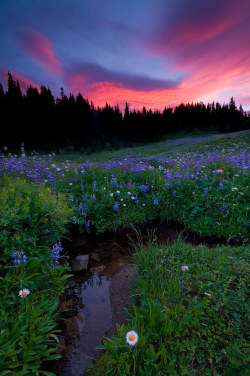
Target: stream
{"type": "Point", "coordinates": [94, 300]}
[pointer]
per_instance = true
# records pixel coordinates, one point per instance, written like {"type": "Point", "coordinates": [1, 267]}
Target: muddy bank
{"type": "Point", "coordinates": [161, 231]}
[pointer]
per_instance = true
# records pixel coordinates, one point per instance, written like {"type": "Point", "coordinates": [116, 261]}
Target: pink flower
{"type": "Point", "coordinates": [206, 293]}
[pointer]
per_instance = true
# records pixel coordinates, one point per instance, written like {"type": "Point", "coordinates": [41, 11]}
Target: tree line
{"type": "Point", "coordinates": [44, 123]}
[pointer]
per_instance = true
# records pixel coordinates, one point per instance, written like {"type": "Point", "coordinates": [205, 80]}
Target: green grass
{"type": "Point", "coordinates": [183, 331]}
{"type": "Point", "coordinates": [32, 219]}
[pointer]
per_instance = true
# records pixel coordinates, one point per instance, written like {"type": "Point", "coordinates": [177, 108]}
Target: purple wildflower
{"type": "Point", "coordinates": [55, 254]}
{"type": "Point", "coordinates": [19, 257]}
{"type": "Point", "coordinates": [116, 207]}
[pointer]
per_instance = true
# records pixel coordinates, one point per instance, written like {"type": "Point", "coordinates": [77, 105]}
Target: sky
{"type": "Point", "coordinates": [152, 53]}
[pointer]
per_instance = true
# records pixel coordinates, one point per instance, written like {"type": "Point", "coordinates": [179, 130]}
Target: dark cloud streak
{"type": "Point", "coordinates": [93, 73]}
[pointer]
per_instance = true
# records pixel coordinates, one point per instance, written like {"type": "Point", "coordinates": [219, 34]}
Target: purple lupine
{"type": "Point", "coordinates": [221, 186]}
{"type": "Point", "coordinates": [55, 254]}
{"type": "Point", "coordinates": [19, 257]}
{"type": "Point", "coordinates": [116, 207]}
{"type": "Point", "coordinates": [82, 185]}
{"type": "Point", "coordinates": [174, 193]}
{"type": "Point", "coordinates": [223, 208]}
{"type": "Point", "coordinates": [156, 202]}
{"type": "Point", "coordinates": [144, 188]}
{"type": "Point", "coordinates": [205, 190]}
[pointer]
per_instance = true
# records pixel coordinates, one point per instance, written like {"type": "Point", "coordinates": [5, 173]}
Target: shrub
{"type": "Point", "coordinates": [30, 216]}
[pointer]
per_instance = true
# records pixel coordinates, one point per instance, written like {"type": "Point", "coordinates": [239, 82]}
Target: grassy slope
{"type": "Point", "coordinates": [174, 144]}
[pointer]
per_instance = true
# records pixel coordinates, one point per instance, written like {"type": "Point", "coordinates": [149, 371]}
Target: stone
{"type": "Point", "coordinates": [68, 304]}
{"type": "Point", "coordinates": [100, 254]}
{"type": "Point", "coordinates": [97, 269]}
{"type": "Point", "coordinates": [80, 263]}
{"type": "Point", "coordinates": [95, 256]}
{"type": "Point", "coordinates": [74, 325]}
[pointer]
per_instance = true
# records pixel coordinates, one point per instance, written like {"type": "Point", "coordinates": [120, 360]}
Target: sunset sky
{"type": "Point", "coordinates": [151, 53]}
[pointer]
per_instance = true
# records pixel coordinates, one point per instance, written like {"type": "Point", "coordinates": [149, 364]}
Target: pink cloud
{"type": "Point", "coordinates": [40, 50]}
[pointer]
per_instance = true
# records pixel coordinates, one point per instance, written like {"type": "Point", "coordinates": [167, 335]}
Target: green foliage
{"type": "Point", "coordinates": [198, 211]}
{"type": "Point", "coordinates": [183, 331]}
{"type": "Point", "coordinates": [28, 334]}
{"type": "Point", "coordinates": [30, 216]}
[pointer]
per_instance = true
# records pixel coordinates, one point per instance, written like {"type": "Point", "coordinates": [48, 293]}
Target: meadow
{"type": "Point", "coordinates": [200, 184]}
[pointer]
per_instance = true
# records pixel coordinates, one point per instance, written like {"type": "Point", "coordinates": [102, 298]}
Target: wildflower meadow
{"type": "Point", "coordinates": [191, 312]}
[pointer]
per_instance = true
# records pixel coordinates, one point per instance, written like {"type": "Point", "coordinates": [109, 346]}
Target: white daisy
{"type": "Point", "coordinates": [132, 338]}
{"type": "Point", "coordinates": [23, 293]}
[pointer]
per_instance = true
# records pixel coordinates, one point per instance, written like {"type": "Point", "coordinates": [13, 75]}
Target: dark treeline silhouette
{"type": "Point", "coordinates": [43, 123]}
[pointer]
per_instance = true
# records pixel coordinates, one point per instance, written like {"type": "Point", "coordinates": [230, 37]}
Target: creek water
{"type": "Point", "coordinates": [89, 326]}
{"type": "Point", "coordinates": [93, 304]}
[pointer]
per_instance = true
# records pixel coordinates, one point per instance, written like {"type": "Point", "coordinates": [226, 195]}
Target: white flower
{"type": "Point", "coordinates": [206, 293]}
{"type": "Point", "coordinates": [70, 183]}
{"type": "Point", "coordinates": [132, 197]}
{"type": "Point", "coordinates": [185, 267]}
{"type": "Point", "coordinates": [124, 205]}
{"type": "Point", "coordinates": [111, 194]}
{"type": "Point", "coordinates": [132, 338]}
{"type": "Point", "coordinates": [23, 293]}
{"type": "Point", "coordinates": [129, 193]}
{"type": "Point", "coordinates": [121, 199]}
{"type": "Point", "coordinates": [234, 189]}
{"type": "Point", "coordinates": [118, 192]}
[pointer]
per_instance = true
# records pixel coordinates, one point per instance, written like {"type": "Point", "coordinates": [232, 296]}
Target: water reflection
{"type": "Point", "coordinates": [88, 328]}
